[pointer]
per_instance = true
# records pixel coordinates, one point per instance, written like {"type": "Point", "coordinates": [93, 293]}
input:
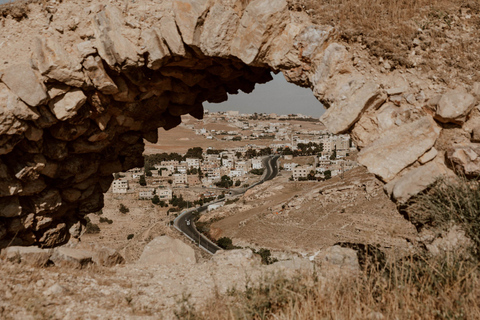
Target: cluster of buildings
{"type": "Point", "coordinates": [232, 162]}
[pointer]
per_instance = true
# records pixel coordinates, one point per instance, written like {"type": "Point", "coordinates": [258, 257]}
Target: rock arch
{"type": "Point", "coordinates": [98, 79]}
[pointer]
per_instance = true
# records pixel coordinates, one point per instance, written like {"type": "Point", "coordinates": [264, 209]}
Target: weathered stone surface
{"type": "Point", "coordinates": [465, 158]}
{"type": "Point", "coordinates": [30, 255]}
{"type": "Point", "coordinates": [9, 102]}
{"type": "Point", "coordinates": [399, 148]}
{"type": "Point", "coordinates": [416, 180]}
{"type": "Point", "coordinates": [261, 21]}
{"type": "Point", "coordinates": [66, 106]}
{"type": "Point", "coordinates": [169, 33]}
{"type": "Point", "coordinates": [351, 97]}
{"type": "Point", "coordinates": [47, 201]}
{"type": "Point", "coordinates": [165, 250]}
{"type": "Point", "coordinates": [454, 107]}
{"type": "Point", "coordinates": [237, 257]}
{"type": "Point", "coordinates": [71, 257]}
{"type": "Point", "coordinates": [107, 257]}
{"type": "Point", "coordinates": [10, 207]}
{"type": "Point", "coordinates": [188, 15]}
{"type": "Point", "coordinates": [158, 52]}
{"type": "Point", "coordinates": [219, 27]}
{"type": "Point", "coordinates": [54, 236]}
{"type": "Point", "coordinates": [25, 83]}
{"type": "Point", "coordinates": [9, 185]}
{"type": "Point", "coordinates": [333, 57]}
{"type": "Point", "coordinates": [53, 61]}
{"type": "Point", "coordinates": [112, 46]}
{"type": "Point", "coordinates": [96, 72]}
{"type": "Point", "coordinates": [428, 156]}
{"type": "Point", "coordinates": [337, 256]}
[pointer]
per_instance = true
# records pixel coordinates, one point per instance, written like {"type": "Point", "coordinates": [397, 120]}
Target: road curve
{"type": "Point", "coordinates": [185, 224]}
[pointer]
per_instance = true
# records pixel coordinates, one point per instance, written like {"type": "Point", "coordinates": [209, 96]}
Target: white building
{"type": "Point", "coordinates": [301, 172]}
{"type": "Point", "coordinates": [290, 166]}
{"type": "Point", "coordinates": [146, 193]}
{"type": "Point", "coordinates": [179, 178]}
{"type": "Point", "coordinates": [215, 206]}
{"type": "Point", "coordinates": [193, 163]}
{"type": "Point", "coordinates": [164, 193]}
{"type": "Point", "coordinates": [120, 186]}
{"type": "Point", "coordinates": [257, 163]}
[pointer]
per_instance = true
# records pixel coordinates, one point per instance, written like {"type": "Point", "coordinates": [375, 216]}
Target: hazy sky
{"type": "Point", "coordinates": [277, 96]}
{"type": "Point", "coordinates": [5, 1]}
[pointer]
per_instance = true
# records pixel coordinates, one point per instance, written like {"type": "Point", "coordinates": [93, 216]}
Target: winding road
{"type": "Point", "coordinates": [185, 224]}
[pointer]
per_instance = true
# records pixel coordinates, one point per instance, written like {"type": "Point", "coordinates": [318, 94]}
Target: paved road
{"type": "Point", "coordinates": [184, 222]}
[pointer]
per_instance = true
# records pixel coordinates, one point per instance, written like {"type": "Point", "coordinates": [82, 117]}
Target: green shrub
{"type": "Point", "coordinates": [130, 236]}
{"type": "Point", "coordinates": [105, 220]}
{"type": "Point", "coordinates": [123, 209]}
{"type": "Point", "coordinates": [225, 243]}
{"type": "Point", "coordinates": [91, 228]}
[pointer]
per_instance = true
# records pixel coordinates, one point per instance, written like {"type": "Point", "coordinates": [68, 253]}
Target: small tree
{"type": "Point", "coordinates": [123, 209]}
{"type": "Point", "coordinates": [155, 199]}
{"type": "Point", "coordinates": [238, 183]}
{"type": "Point", "coordinates": [225, 243]}
{"type": "Point", "coordinates": [142, 181]}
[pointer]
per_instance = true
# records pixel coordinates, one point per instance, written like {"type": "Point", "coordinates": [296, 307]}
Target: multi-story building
{"type": "Point", "coordinates": [193, 163]}
{"type": "Point", "coordinates": [289, 166]}
{"type": "Point", "coordinates": [257, 163]}
{"type": "Point", "coordinates": [120, 186]}
{"type": "Point", "coordinates": [164, 193]}
{"type": "Point", "coordinates": [301, 172]}
{"type": "Point", "coordinates": [180, 178]}
{"type": "Point", "coordinates": [146, 193]}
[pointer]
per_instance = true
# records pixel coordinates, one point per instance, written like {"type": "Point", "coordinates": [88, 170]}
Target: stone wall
{"type": "Point", "coordinates": [93, 81]}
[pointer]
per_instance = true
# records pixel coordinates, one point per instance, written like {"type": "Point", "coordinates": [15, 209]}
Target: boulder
{"type": "Point", "coordinates": [111, 45]}
{"type": "Point", "coordinates": [9, 185]}
{"type": "Point", "coordinates": [237, 257]}
{"type": "Point", "coordinates": [261, 21]}
{"type": "Point", "coordinates": [26, 84]}
{"type": "Point", "coordinates": [188, 16]}
{"type": "Point", "coordinates": [96, 72]}
{"type": "Point", "coordinates": [333, 58]}
{"type": "Point", "coordinates": [428, 156]}
{"type": "Point", "coordinates": [416, 180]}
{"type": "Point", "coordinates": [454, 107]}
{"type": "Point", "coordinates": [294, 264]}
{"type": "Point", "coordinates": [78, 258]}
{"type": "Point", "coordinates": [348, 100]}
{"type": "Point", "coordinates": [11, 103]}
{"type": "Point", "coordinates": [30, 255]}
{"type": "Point", "coordinates": [54, 236]}
{"type": "Point", "coordinates": [454, 241]}
{"type": "Point", "coordinates": [53, 62]}
{"type": "Point", "coordinates": [66, 106]}
{"type": "Point", "coordinates": [168, 31]}
{"type": "Point", "coordinates": [219, 28]}
{"type": "Point", "coordinates": [10, 207]}
{"type": "Point", "coordinates": [339, 257]}
{"type": "Point", "coordinates": [107, 257]}
{"type": "Point", "coordinates": [465, 158]}
{"type": "Point", "coordinates": [399, 148]}
{"type": "Point", "coordinates": [158, 52]}
{"type": "Point", "coordinates": [165, 250]}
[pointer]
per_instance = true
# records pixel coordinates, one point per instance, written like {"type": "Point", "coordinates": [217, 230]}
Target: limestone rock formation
{"type": "Point", "coordinates": [83, 88]}
{"type": "Point", "coordinates": [165, 250]}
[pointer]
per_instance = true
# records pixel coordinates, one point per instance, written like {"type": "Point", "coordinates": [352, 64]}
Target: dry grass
{"type": "Point", "coordinates": [388, 28]}
{"type": "Point", "coordinates": [414, 288]}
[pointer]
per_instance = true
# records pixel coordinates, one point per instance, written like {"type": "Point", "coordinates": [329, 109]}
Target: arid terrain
{"type": "Point", "coordinates": [89, 89]}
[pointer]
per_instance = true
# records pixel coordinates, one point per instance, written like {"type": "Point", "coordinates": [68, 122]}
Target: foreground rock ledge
{"type": "Point", "coordinates": [99, 79]}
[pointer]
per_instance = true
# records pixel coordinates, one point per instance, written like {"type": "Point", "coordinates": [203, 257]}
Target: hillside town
{"type": "Point", "coordinates": [306, 155]}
